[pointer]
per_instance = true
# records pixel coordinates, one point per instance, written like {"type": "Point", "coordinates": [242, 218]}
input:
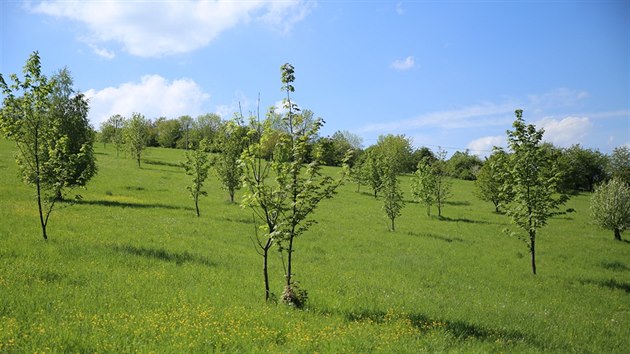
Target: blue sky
{"type": "Point", "coordinates": [445, 73]}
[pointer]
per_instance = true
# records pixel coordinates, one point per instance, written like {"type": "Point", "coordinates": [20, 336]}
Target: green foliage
{"type": "Point", "coordinates": [533, 176]}
{"type": "Point", "coordinates": [462, 165]}
{"type": "Point", "coordinates": [430, 184]}
{"type": "Point", "coordinates": [197, 165]}
{"type": "Point", "coordinates": [374, 169]}
{"type": "Point", "coordinates": [285, 206]}
{"type": "Point", "coordinates": [396, 148]}
{"type": "Point", "coordinates": [610, 206]}
{"type": "Point", "coordinates": [424, 184]}
{"type": "Point", "coordinates": [136, 135]}
{"type": "Point", "coordinates": [392, 195]}
{"type": "Point", "coordinates": [490, 184]}
{"type": "Point", "coordinates": [230, 143]}
{"type": "Point", "coordinates": [112, 132]}
{"type": "Point", "coordinates": [169, 132]}
{"type": "Point", "coordinates": [48, 121]}
{"type": "Point", "coordinates": [620, 163]}
{"type": "Point", "coordinates": [584, 168]}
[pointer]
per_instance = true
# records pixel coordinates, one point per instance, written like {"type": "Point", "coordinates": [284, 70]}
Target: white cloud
{"type": "Point", "coordinates": [157, 28]}
{"type": "Point", "coordinates": [564, 132]}
{"type": "Point", "coordinates": [154, 96]}
{"type": "Point", "coordinates": [403, 64]}
{"type": "Point", "coordinates": [399, 8]}
{"type": "Point", "coordinates": [561, 97]}
{"type": "Point", "coordinates": [483, 146]}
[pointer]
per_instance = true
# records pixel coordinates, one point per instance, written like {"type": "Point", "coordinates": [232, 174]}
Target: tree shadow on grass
{"type": "Point", "coordinates": [614, 266]}
{"type": "Point", "coordinates": [161, 163]}
{"type": "Point", "coordinates": [458, 329]}
{"type": "Point", "coordinates": [458, 202]}
{"type": "Point", "coordinates": [434, 236]}
{"type": "Point", "coordinates": [464, 220]}
{"type": "Point", "coordinates": [113, 203]}
{"type": "Point", "coordinates": [164, 255]}
{"type": "Point", "coordinates": [611, 284]}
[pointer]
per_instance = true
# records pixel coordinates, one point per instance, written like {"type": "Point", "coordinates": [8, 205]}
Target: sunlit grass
{"type": "Point", "coordinates": [131, 268]}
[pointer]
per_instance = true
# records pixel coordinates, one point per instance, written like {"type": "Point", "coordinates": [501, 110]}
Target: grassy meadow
{"type": "Point", "coordinates": [132, 269]}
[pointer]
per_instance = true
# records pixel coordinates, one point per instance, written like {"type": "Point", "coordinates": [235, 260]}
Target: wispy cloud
{"type": "Point", "coordinates": [483, 146]}
{"type": "Point", "coordinates": [159, 28]}
{"type": "Point", "coordinates": [403, 64]}
{"type": "Point", "coordinates": [482, 115]}
{"type": "Point", "coordinates": [154, 96]}
{"type": "Point", "coordinates": [102, 52]}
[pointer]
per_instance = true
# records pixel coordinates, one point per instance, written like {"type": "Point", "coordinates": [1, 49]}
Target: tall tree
{"type": "Point", "coordinates": [610, 206]}
{"type": "Point", "coordinates": [197, 165]}
{"type": "Point", "coordinates": [374, 169]}
{"type": "Point", "coordinates": [534, 178]}
{"type": "Point", "coordinates": [443, 184]}
{"type": "Point", "coordinates": [585, 168]}
{"type": "Point", "coordinates": [48, 121]}
{"type": "Point", "coordinates": [186, 123]}
{"type": "Point", "coordinates": [396, 148]}
{"type": "Point", "coordinates": [136, 135]}
{"type": "Point", "coordinates": [286, 205]}
{"type": "Point", "coordinates": [490, 184]}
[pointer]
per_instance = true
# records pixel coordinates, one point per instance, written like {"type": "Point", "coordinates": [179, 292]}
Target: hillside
{"type": "Point", "coordinates": [131, 268]}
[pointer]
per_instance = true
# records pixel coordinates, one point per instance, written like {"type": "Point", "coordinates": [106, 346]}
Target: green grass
{"type": "Point", "coordinates": [131, 268]}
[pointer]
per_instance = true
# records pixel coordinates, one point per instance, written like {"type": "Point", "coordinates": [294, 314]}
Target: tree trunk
{"type": "Point", "coordinates": [532, 240]}
{"type": "Point", "coordinates": [289, 259]}
{"type": "Point", "coordinates": [265, 272]}
{"type": "Point", "coordinates": [617, 235]}
{"type": "Point", "coordinates": [393, 226]}
{"type": "Point", "coordinates": [197, 205]}
{"type": "Point", "coordinates": [38, 185]}
{"type": "Point", "coordinates": [232, 195]}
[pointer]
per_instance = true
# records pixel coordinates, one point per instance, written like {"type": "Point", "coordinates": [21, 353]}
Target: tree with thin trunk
{"type": "Point", "coordinates": [48, 121]}
{"type": "Point", "coordinates": [443, 184]}
{"type": "Point", "coordinates": [610, 206]}
{"type": "Point", "coordinates": [197, 165]}
{"type": "Point", "coordinates": [136, 135]}
{"type": "Point", "coordinates": [489, 185]}
{"type": "Point", "coordinates": [392, 195]}
{"type": "Point", "coordinates": [286, 205]}
{"type": "Point", "coordinates": [111, 132]}
{"type": "Point", "coordinates": [231, 143]}
{"type": "Point", "coordinates": [423, 184]}
{"type": "Point", "coordinates": [374, 170]}
{"type": "Point", "coordinates": [534, 178]}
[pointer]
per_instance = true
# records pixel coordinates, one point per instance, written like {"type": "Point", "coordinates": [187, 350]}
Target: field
{"type": "Point", "coordinates": [132, 269]}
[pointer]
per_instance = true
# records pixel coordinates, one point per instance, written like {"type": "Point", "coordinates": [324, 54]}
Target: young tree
{"type": "Point", "coordinates": [423, 184]}
{"type": "Point", "coordinates": [490, 182]}
{"type": "Point", "coordinates": [111, 131]}
{"type": "Point", "coordinates": [534, 178]}
{"type": "Point", "coordinates": [443, 184]}
{"type": "Point", "coordinates": [136, 133]}
{"type": "Point", "coordinates": [286, 205]}
{"type": "Point", "coordinates": [48, 121]}
{"type": "Point", "coordinates": [227, 163]}
{"type": "Point", "coordinates": [392, 195]}
{"type": "Point", "coordinates": [197, 165]}
{"type": "Point", "coordinates": [374, 170]}
{"type": "Point", "coordinates": [610, 206]}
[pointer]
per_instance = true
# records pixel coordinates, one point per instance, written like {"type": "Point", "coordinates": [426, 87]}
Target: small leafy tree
{"type": "Point", "coordinates": [374, 170]}
{"type": "Point", "coordinates": [534, 178]}
{"type": "Point", "coordinates": [392, 196]}
{"type": "Point", "coordinates": [490, 185]}
{"type": "Point", "coordinates": [136, 135]}
{"type": "Point", "coordinates": [111, 132]}
{"type": "Point", "coordinates": [227, 163]}
{"type": "Point", "coordinates": [423, 184]}
{"type": "Point", "coordinates": [443, 184]}
{"type": "Point", "coordinates": [610, 206]}
{"type": "Point", "coordinates": [197, 165]}
{"type": "Point", "coordinates": [48, 121]}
